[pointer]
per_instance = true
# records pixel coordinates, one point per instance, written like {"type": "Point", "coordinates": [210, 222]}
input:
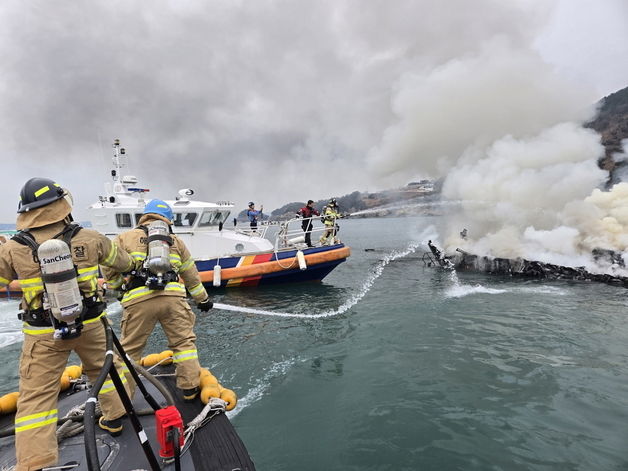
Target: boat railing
{"type": "Point", "coordinates": [292, 232]}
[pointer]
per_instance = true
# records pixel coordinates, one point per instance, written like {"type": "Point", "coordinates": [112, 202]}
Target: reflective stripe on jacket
{"type": "Point", "coordinates": [330, 216]}
{"type": "Point", "coordinates": [135, 243]}
{"type": "Point", "coordinates": [89, 249]}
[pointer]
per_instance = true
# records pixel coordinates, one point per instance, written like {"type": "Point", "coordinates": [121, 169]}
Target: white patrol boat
{"type": "Point", "coordinates": [224, 257]}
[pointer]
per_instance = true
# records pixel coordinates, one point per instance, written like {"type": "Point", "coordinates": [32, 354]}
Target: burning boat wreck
{"type": "Point", "coordinates": [519, 267]}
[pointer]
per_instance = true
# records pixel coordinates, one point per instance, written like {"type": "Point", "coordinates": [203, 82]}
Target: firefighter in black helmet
{"type": "Point", "coordinates": [44, 213]}
{"type": "Point", "coordinates": [38, 192]}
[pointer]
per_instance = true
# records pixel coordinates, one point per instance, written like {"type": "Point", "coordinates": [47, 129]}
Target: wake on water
{"type": "Point", "coordinates": [364, 289]}
{"type": "Point", "coordinates": [459, 290]}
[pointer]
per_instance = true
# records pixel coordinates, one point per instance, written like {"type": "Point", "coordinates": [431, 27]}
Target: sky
{"type": "Point", "coordinates": [280, 101]}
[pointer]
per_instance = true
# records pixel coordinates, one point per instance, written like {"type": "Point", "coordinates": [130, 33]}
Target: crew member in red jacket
{"type": "Point", "coordinates": [307, 212]}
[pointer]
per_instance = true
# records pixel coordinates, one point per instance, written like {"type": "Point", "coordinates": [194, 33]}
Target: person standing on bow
{"type": "Point", "coordinates": [307, 212]}
{"type": "Point", "coordinates": [252, 214]}
{"type": "Point", "coordinates": [56, 322]}
{"type": "Point", "coordinates": [330, 214]}
{"type": "Point", "coordinates": [154, 294]}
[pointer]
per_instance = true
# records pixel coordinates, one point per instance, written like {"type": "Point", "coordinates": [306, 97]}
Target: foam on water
{"type": "Point", "coordinates": [553, 290]}
{"type": "Point", "coordinates": [10, 325]}
{"type": "Point", "coordinates": [458, 290]}
{"type": "Point", "coordinates": [465, 290]}
{"type": "Point", "coordinates": [261, 386]}
{"type": "Point", "coordinates": [348, 304]}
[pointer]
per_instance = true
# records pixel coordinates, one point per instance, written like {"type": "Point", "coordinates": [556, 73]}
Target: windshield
{"type": "Point", "coordinates": [213, 218]}
{"type": "Point", "coordinates": [184, 219]}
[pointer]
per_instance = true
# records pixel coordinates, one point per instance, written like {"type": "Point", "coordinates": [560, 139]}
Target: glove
{"type": "Point", "coordinates": [206, 305]}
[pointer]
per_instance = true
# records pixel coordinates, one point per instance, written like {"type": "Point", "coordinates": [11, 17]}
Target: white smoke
{"type": "Point", "coordinates": [538, 198]}
{"type": "Point", "coordinates": [470, 102]}
{"type": "Point", "coordinates": [505, 130]}
{"type": "Point", "coordinates": [526, 182]}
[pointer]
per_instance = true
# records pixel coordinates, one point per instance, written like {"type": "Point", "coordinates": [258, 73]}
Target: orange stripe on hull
{"type": "Point", "coordinates": [237, 274]}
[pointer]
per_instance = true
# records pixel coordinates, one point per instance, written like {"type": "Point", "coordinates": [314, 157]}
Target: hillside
{"type": "Point", "coordinates": [612, 123]}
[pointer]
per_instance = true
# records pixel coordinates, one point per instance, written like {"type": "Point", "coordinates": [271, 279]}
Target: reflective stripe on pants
{"type": "Point", "coordinates": [177, 320]}
{"type": "Point", "coordinates": [42, 362]}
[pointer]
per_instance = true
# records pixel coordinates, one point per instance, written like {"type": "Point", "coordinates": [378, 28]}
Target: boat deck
{"type": "Point", "coordinates": [216, 446]}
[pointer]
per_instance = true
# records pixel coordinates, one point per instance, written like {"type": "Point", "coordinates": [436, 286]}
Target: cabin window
{"type": "Point", "coordinates": [213, 218]}
{"type": "Point", "coordinates": [137, 218]}
{"type": "Point", "coordinates": [123, 220]}
{"type": "Point", "coordinates": [184, 219]}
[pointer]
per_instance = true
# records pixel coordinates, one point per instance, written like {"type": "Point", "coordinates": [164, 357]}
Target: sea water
{"type": "Point", "coordinates": [393, 365]}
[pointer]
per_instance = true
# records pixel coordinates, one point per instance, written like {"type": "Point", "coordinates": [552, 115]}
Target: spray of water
{"type": "Point", "coordinates": [410, 205]}
{"type": "Point", "coordinates": [364, 289]}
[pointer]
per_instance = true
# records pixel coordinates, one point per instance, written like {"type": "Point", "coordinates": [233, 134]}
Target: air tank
{"type": "Point", "coordinates": [59, 277]}
{"type": "Point", "coordinates": [158, 256]}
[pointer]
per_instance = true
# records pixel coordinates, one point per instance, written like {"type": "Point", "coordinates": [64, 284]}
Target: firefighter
{"type": "Point", "coordinates": [154, 294]}
{"type": "Point", "coordinates": [330, 214]}
{"type": "Point", "coordinates": [44, 215]}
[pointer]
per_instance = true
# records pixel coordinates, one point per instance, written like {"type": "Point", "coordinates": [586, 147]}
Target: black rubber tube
{"type": "Point", "coordinates": [155, 382]}
{"type": "Point", "coordinates": [177, 449]}
{"type": "Point", "coordinates": [133, 369]}
{"type": "Point", "coordinates": [89, 433]}
{"type": "Point", "coordinates": [126, 401]}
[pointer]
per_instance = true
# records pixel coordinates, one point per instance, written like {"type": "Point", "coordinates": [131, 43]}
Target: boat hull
{"type": "Point", "coordinates": [273, 267]}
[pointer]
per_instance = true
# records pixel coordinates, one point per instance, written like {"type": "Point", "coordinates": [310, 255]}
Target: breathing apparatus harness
{"type": "Point", "coordinates": [156, 272]}
{"type": "Point", "coordinates": [64, 307]}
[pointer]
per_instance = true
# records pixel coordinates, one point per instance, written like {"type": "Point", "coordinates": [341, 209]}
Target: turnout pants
{"type": "Point", "coordinates": [177, 320]}
{"type": "Point", "coordinates": [307, 228]}
{"type": "Point", "coordinates": [42, 362]}
{"type": "Point", "coordinates": [330, 232]}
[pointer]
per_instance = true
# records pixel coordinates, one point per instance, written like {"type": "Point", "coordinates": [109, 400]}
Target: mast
{"type": "Point", "coordinates": [119, 162]}
{"type": "Point", "coordinates": [121, 182]}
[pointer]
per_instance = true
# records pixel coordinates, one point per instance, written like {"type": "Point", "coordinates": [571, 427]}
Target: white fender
{"type": "Point", "coordinates": [301, 259]}
{"type": "Point", "coordinates": [217, 276]}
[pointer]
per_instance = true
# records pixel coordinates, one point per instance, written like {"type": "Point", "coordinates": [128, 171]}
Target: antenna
{"type": "Point", "coordinates": [119, 161]}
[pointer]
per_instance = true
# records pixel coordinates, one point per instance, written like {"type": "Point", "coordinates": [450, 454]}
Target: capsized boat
{"type": "Point", "coordinates": [161, 432]}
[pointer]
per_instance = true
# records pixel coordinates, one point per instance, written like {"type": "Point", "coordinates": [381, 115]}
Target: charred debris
{"type": "Point", "coordinates": [519, 267]}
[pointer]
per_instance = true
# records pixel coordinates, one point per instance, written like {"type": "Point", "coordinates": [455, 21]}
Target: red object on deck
{"type": "Point", "coordinates": [167, 419]}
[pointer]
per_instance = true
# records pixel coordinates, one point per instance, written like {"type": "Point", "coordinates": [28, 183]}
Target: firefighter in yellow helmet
{"type": "Point", "coordinates": [331, 213]}
{"type": "Point", "coordinates": [154, 294]}
{"type": "Point", "coordinates": [44, 219]}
